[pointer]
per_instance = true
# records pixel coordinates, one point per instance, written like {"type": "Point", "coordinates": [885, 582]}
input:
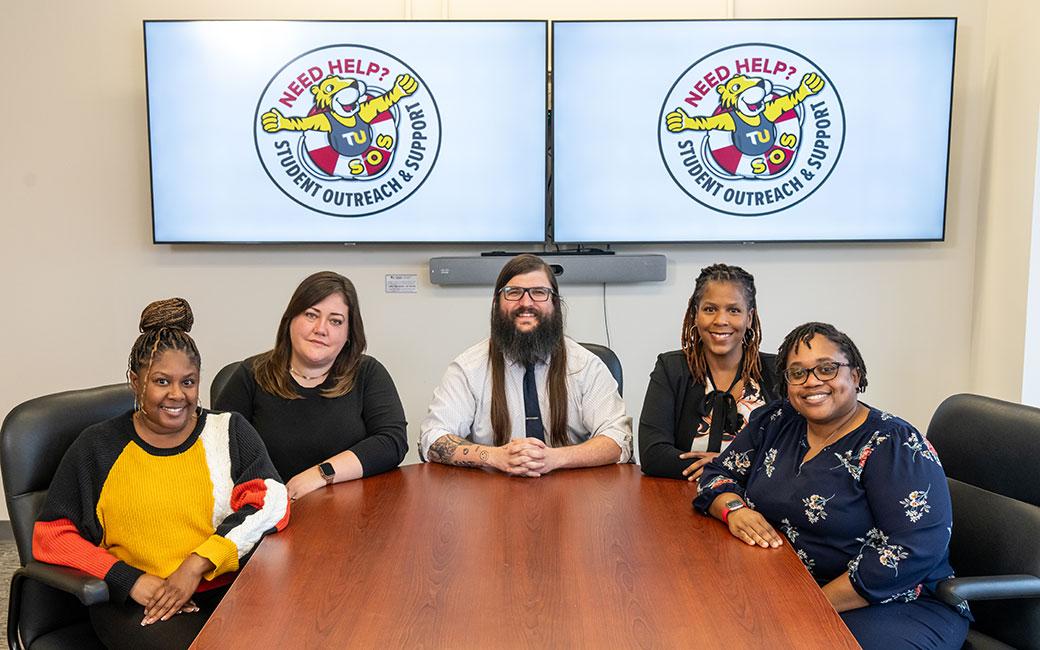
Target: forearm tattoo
{"type": "Point", "coordinates": [445, 447]}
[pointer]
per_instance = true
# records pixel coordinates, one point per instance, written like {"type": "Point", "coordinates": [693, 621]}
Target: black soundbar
{"type": "Point", "coordinates": [578, 268]}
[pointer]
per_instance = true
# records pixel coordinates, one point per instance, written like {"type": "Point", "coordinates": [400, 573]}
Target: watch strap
{"type": "Point", "coordinates": [726, 510]}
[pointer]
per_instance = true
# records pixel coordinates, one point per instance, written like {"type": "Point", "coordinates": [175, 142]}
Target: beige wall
{"type": "Point", "coordinates": [78, 262]}
{"type": "Point", "coordinates": [1008, 167]}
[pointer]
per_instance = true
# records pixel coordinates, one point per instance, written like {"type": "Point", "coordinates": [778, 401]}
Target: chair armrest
{"type": "Point", "coordinates": [956, 590]}
{"type": "Point", "coordinates": [88, 589]}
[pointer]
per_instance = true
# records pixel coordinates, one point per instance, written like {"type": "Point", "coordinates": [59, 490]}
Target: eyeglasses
{"type": "Point", "coordinates": [538, 294]}
{"type": "Point", "coordinates": [825, 371]}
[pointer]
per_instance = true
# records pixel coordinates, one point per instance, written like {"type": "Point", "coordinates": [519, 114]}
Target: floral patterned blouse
{"type": "Point", "coordinates": [751, 398]}
{"type": "Point", "coordinates": [874, 504]}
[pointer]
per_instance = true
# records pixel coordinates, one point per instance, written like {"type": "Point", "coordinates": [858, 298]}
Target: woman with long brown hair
{"type": "Point", "coordinates": [699, 397]}
{"type": "Point", "coordinates": [326, 411]}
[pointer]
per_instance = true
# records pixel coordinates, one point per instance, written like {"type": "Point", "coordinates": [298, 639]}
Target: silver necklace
{"type": "Point", "coordinates": [827, 440]}
{"type": "Point", "coordinates": [305, 377]}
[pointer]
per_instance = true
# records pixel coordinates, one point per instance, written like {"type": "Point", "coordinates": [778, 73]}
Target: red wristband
{"type": "Point", "coordinates": [726, 509]}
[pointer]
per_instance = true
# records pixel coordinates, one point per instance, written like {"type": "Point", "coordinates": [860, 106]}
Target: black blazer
{"type": "Point", "coordinates": [660, 442]}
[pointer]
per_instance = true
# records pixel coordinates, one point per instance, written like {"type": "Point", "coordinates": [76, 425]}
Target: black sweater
{"type": "Point", "coordinates": [300, 433]}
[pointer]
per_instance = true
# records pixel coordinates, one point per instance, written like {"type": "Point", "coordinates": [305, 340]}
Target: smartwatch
{"type": "Point", "coordinates": [729, 507]}
{"type": "Point", "coordinates": [328, 472]}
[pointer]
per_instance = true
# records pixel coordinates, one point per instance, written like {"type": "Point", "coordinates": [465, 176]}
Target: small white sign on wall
{"type": "Point", "coordinates": [402, 283]}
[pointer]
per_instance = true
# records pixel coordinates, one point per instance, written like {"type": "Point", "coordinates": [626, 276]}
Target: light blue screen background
{"type": "Point", "coordinates": [609, 82]}
{"type": "Point", "coordinates": [487, 78]}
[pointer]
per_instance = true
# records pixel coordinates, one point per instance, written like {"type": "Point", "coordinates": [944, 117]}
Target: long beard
{"type": "Point", "coordinates": [527, 347]}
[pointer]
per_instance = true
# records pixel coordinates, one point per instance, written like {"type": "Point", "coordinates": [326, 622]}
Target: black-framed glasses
{"type": "Point", "coordinates": [825, 371]}
{"type": "Point", "coordinates": [538, 294]}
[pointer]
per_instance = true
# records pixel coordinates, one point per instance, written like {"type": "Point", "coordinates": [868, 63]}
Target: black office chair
{"type": "Point", "coordinates": [990, 450]}
{"type": "Point", "coordinates": [609, 358]}
{"type": "Point", "coordinates": [221, 379]}
{"type": "Point", "coordinates": [47, 607]}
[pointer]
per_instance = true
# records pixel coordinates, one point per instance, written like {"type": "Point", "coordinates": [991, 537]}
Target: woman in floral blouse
{"type": "Point", "coordinates": [859, 494]}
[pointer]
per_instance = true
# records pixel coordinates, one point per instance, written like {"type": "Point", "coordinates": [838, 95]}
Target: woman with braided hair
{"type": "Point", "coordinates": [699, 397]}
{"type": "Point", "coordinates": [163, 502]}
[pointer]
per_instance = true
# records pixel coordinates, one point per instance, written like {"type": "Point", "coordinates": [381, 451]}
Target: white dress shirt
{"type": "Point", "coordinates": [462, 402]}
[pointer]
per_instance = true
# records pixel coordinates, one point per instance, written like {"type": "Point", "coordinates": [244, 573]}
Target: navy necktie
{"type": "Point", "coordinates": [532, 414]}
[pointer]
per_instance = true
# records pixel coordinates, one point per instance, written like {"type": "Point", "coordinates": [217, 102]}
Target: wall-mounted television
{"type": "Point", "coordinates": [751, 130]}
{"type": "Point", "coordinates": [331, 131]}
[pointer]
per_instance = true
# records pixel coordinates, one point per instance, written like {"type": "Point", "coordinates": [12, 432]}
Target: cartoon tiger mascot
{"type": "Point", "coordinates": [746, 112]}
{"type": "Point", "coordinates": [343, 114]}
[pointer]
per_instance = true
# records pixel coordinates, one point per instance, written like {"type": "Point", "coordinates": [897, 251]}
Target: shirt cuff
{"type": "Point", "coordinates": [222, 552]}
{"type": "Point", "coordinates": [622, 440]}
{"type": "Point", "coordinates": [121, 578]}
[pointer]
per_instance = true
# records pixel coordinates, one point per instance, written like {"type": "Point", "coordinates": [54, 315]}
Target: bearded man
{"type": "Point", "coordinates": [528, 400]}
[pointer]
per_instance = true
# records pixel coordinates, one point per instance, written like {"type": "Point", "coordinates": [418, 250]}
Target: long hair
{"type": "Point", "coordinates": [805, 333]}
{"type": "Point", "coordinates": [271, 368]}
{"type": "Point", "coordinates": [692, 344]}
{"type": "Point", "coordinates": [164, 326]}
{"type": "Point", "coordinates": [556, 381]}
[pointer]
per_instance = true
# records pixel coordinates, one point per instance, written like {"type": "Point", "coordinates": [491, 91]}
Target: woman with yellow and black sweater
{"type": "Point", "coordinates": [162, 502]}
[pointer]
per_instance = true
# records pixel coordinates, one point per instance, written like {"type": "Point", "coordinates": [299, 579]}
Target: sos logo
{"type": "Point", "coordinates": [347, 130]}
{"type": "Point", "coordinates": [751, 129]}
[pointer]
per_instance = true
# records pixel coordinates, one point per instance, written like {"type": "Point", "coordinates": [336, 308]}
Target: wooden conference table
{"type": "Point", "coordinates": [430, 556]}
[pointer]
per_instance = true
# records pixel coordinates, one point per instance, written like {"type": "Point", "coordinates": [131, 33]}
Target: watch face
{"type": "Point", "coordinates": [326, 469]}
{"type": "Point", "coordinates": [732, 505]}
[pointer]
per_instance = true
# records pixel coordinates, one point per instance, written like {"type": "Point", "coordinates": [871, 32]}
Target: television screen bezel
{"type": "Point", "coordinates": [552, 140]}
{"type": "Point", "coordinates": [546, 214]}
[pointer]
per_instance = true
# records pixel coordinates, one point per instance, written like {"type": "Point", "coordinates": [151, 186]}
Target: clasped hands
{"type": "Point", "coordinates": [528, 457]}
{"type": "Point", "coordinates": [162, 599]}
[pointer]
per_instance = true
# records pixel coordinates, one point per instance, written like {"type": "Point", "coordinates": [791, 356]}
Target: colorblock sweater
{"type": "Point", "coordinates": [119, 507]}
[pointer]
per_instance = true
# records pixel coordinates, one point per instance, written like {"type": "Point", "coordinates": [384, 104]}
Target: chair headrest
{"type": "Point", "coordinates": [989, 443]}
{"type": "Point", "coordinates": [34, 438]}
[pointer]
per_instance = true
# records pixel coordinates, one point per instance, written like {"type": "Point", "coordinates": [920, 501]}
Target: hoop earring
{"type": "Point", "coordinates": [130, 385]}
{"type": "Point", "coordinates": [697, 363]}
{"type": "Point", "coordinates": [138, 403]}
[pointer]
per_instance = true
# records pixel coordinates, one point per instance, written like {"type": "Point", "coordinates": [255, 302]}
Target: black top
{"type": "Point", "coordinates": [300, 433]}
{"type": "Point", "coordinates": [663, 432]}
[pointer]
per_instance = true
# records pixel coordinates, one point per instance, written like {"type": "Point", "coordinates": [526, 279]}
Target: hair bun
{"type": "Point", "coordinates": [172, 312]}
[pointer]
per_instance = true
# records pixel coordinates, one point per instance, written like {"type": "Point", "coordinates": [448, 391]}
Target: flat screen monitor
{"type": "Point", "coordinates": [329, 131]}
{"type": "Point", "coordinates": [751, 130]}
